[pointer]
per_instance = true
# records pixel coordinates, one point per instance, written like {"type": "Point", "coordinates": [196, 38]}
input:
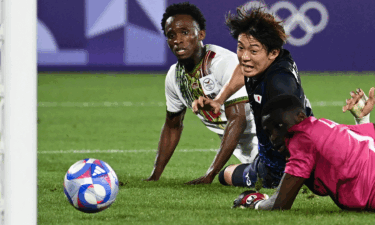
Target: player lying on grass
{"type": "Point", "coordinates": [266, 70]}
{"type": "Point", "coordinates": [331, 159]}
{"type": "Point", "coordinates": [357, 105]}
{"type": "Point", "coordinates": [202, 70]}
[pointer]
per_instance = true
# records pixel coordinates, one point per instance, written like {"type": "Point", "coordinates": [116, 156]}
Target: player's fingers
{"type": "Point", "coordinates": [188, 182]}
{"type": "Point", "coordinates": [369, 106]}
{"type": "Point", "coordinates": [216, 110]}
{"type": "Point", "coordinates": [205, 101]}
{"type": "Point", "coordinates": [194, 107]}
{"type": "Point", "coordinates": [192, 182]}
{"type": "Point", "coordinates": [345, 107]}
{"type": "Point", "coordinates": [356, 96]}
{"type": "Point", "coordinates": [201, 101]}
{"type": "Point", "coordinates": [367, 109]}
{"type": "Point", "coordinates": [371, 93]}
{"type": "Point", "coordinates": [349, 104]}
{"type": "Point", "coordinates": [215, 106]}
{"type": "Point", "coordinates": [360, 92]}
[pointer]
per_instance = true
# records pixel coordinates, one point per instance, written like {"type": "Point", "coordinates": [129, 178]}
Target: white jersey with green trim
{"type": "Point", "coordinates": [182, 88]}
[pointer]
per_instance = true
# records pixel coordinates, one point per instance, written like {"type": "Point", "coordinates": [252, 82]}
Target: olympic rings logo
{"type": "Point", "coordinates": [297, 17]}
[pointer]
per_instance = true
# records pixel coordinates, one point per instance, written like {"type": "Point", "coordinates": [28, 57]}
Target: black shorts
{"type": "Point", "coordinates": [246, 175]}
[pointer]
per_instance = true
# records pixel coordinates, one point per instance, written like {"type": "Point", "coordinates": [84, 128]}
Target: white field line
{"type": "Point", "coordinates": [147, 104]}
{"type": "Point", "coordinates": [99, 104]}
{"type": "Point", "coordinates": [83, 151]}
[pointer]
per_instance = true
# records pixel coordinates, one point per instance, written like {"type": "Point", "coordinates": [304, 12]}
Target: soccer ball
{"type": "Point", "coordinates": [91, 185]}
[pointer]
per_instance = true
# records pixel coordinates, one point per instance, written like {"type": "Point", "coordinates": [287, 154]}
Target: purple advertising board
{"type": "Point", "coordinates": [126, 35]}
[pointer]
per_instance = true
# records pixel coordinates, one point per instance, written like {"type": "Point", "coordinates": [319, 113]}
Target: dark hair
{"type": "Point", "coordinates": [259, 24]}
{"type": "Point", "coordinates": [184, 8]}
{"type": "Point", "coordinates": [282, 102]}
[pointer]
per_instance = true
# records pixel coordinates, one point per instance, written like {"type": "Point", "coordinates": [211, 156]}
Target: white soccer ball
{"type": "Point", "coordinates": [91, 185]}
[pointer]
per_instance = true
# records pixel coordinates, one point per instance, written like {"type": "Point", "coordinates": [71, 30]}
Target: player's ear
{"type": "Point", "coordinates": [301, 116]}
{"type": "Point", "coordinates": [273, 54]}
{"type": "Point", "coordinates": [201, 35]}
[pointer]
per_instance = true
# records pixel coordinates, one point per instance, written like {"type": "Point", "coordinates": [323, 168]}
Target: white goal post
{"type": "Point", "coordinates": [19, 113]}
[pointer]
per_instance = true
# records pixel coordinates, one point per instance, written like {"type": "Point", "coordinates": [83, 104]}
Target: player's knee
{"type": "Point", "coordinates": [237, 176]}
{"type": "Point", "coordinates": [226, 175]}
{"type": "Point", "coordinates": [222, 177]}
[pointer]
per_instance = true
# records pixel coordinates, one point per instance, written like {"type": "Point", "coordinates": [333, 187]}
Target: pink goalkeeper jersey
{"type": "Point", "coordinates": [340, 159]}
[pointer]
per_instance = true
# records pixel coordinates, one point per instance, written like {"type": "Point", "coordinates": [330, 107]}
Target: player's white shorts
{"type": "Point", "coordinates": [247, 148]}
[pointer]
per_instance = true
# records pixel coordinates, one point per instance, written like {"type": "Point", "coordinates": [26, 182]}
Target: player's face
{"type": "Point", "coordinates": [183, 36]}
{"type": "Point", "coordinates": [253, 56]}
{"type": "Point", "coordinates": [275, 128]}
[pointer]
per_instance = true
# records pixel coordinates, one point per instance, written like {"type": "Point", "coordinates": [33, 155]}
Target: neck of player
{"type": "Point", "coordinates": [191, 62]}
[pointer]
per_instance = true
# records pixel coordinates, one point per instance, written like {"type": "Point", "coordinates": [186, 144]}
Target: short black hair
{"type": "Point", "coordinates": [283, 102]}
{"type": "Point", "coordinates": [259, 24]}
{"type": "Point", "coordinates": [184, 8]}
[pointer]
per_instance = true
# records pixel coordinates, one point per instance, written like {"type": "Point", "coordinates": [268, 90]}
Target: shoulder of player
{"type": "Point", "coordinates": [170, 77]}
{"type": "Point", "coordinates": [223, 61]}
{"type": "Point", "coordinates": [274, 78]}
{"type": "Point", "coordinates": [222, 54]}
{"type": "Point", "coordinates": [172, 71]}
{"type": "Point", "coordinates": [299, 141]}
{"type": "Point", "coordinates": [284, 63]}
{"type": "Point", "coordinates": [301, 133]}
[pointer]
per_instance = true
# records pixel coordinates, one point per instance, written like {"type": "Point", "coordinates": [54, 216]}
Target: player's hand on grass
{"type": "Point", "coordinates": [249, 199]}
{"type": "Point", "coordinates": [207, 179]}
{"type": "Point", "coordinates": [207, 104]}
{"type": "Point", "coordinates": [360, 105]}
{"type": "Point", "coordinates": [151, 178]}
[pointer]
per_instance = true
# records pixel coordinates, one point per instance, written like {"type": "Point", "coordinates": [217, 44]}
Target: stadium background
{"type": "Point", "coordinates": [101, 67]}
{"type": "Point", "coordinates": [125, 35]}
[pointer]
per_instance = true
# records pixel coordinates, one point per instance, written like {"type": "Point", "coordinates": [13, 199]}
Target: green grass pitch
{"type": "Point", "coordinates": [126, 112]}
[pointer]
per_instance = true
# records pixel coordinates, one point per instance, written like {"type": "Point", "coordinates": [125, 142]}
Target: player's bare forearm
{"type": "Point", "coordinates": [236, 82]}
{"type": "Point", "coordinates": [235, 127]}
{"type": "Point", "coordinates": [269, 203]}
{"type": "Point", "coordinates": [285, 194]}
{"type": "Point", "coordinates": [169, 138]}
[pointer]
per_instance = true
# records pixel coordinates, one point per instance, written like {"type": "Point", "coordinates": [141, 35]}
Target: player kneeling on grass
{"type": "Point", "coordinates": [331, 159]}
{"type": "Point", "coordinates": [202, 70]}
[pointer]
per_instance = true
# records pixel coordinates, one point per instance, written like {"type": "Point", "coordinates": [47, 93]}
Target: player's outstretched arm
{"type": "Point", "coordinates": [236, 125]}
{"type": "Point", "coordinates": [284, 196]}
{"type": "Point", "coordinates": [169, 138]}
{"type": "Point", "coordinates": [360, 105]}
{"type": "Point", "coordinates": [236, 82]}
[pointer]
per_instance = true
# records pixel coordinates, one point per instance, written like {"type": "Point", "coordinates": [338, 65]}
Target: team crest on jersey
{"type": "Point", "coordinates": [258, 98]}
{"type": "Point", "coordinates": [208, 84]}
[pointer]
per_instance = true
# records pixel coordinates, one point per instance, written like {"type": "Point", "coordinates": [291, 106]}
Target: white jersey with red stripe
{"type": "Point", "coordinates": [182, 88]}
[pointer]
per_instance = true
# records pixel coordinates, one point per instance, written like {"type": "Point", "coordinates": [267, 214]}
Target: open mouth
{"type": "Point", "coordinates": [180, 51]}
{"type": "Point", "coordinates": [247, 68]}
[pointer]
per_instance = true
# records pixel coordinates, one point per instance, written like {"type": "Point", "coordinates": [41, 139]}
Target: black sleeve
{"type": "Point", "coordinates": [282, 83]}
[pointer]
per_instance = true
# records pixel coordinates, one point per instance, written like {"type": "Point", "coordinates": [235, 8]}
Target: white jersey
{"type": "Point", "coordinates": [182, 88]}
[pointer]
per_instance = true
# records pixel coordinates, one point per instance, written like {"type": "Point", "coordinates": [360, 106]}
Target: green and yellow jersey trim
{"type": "Point", "coordinates": [236, 101]}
